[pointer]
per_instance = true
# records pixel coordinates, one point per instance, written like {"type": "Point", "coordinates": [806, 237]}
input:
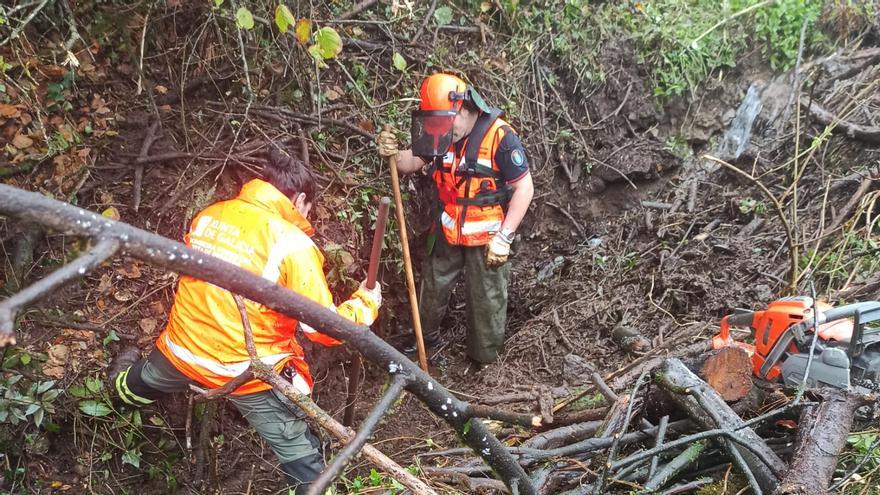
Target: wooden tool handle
{"type": "Point", "coordinates": [378, 236]}
{"type": "Point", "coordinates": [407, 262]}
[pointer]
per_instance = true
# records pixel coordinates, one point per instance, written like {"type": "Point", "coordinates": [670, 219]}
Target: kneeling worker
{"type": "Point", "coordinates": [483, 188]}
{"type": "Point", "coordinates": [263, 230]}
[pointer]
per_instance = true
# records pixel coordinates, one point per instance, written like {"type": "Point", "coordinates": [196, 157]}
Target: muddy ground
{"type": "Point", "coordinates": [591, 256]}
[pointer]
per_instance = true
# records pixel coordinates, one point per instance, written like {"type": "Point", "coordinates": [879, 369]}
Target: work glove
{"type": "Point", "coordinates": [375, 294]}
{"type": "Point", "coordinates": [387, 145]}
{"type": "Point", "coordinates": [498, 250]}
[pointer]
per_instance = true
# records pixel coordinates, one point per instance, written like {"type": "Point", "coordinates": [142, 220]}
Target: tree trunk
{"type": "Point", "coordinates": [729, 372]}
{"type": "Point", "coordinates": [822, 433]}
{"type": "Point", "coordinates": [683, 387]}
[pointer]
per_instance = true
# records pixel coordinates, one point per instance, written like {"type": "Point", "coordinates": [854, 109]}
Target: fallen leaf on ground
{"type": "Point", "coordinates": [111, 213]}
{"type": "Point", "coordinates": [9, 111]}
{"type": "Point", "coordinates": [157, 307]}
{"type": "Point", "coordinates": [131, 270]}
{"type": "Point", "coordinates": [55, 365]}
{"type": "Point", "coordinates": [122, 296]}
{"type": "Point", "coordinates": [148, 325]}
{"type": "Point", "coordinates": [161, 89]}
{"type": "Point", "coordinates": [21, 141]}
{"type": "Point", "coordinates": [105, 284]}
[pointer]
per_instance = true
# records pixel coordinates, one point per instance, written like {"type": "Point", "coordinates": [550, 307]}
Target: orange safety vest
{"type": "Point", "coordinates": [260, 231]}
{"type": "Point", "coordinates": [470, 186]}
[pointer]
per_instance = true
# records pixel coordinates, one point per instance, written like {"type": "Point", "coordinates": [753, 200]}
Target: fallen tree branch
{"type": "Point", "coordinates": [822, 434]}
{"type": "Point", "coordinates": [710, 411]}
{"type": "Point", "coordinates": [342, 459]}
{"type": "Point", "coordinates": [139, 167]}
{"type": "Point", "coordinates": [865, 133]}
{"type": "Point", "coordinates": [175, 256]}
{"type": "Point", "coordinates": [9, 308]}
{"type": "Point", "coordinates": [675, 466]}
{"type": "Point", "coordinates": [265, 373]}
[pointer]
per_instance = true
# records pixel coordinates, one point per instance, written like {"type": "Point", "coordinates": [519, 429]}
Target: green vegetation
{"type": "Point", "coordinates": [683, 43]}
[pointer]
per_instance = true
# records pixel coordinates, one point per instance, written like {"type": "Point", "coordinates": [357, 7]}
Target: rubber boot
{"type": "Point", "coordinates": [301, 472]}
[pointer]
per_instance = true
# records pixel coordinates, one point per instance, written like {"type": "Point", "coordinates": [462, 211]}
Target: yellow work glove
{"type": "Point", "coordinates": [375, 294]}
{"type": "Point", "coordinates": [386, 143]}
{"type": "Point", "coordinates": [498, 249]}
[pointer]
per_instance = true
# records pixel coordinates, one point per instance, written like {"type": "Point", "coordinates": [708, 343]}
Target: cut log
{"type": "Point", "coordinates": [729, 372]}
{"type": "Point", "coordinates": [822, 433]}
{"type": "Point", "coordinates": [683, 385]}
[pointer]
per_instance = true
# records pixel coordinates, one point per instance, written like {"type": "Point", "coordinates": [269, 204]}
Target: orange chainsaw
{"type": "Point", "coordinates": [845, 354]}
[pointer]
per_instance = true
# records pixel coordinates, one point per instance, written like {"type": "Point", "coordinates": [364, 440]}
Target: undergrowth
{"type": "Point", "coordinates": [682, 43]}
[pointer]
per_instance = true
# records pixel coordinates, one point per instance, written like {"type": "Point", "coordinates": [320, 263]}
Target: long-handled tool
{"type": "Point", "coordinates": [407, 261]}
{"type": "Point", "coordinates": [354, 376]}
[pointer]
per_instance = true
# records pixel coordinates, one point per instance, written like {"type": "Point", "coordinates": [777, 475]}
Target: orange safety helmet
{"type": "Point", "coordinates": [442, 96]}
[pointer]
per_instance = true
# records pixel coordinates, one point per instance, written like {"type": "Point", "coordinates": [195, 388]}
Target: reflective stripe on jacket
{"type": "Point", "coordinates": [470, 224]}
{"type": "Point", "coordinates": [262, 232]}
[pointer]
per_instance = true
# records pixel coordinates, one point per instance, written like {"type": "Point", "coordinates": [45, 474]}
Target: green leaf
{"type": "Point", "coordinates": [25, 359]}
{"type": "Point", "coordinates": [136, 418]}
{"type": "Point", "coordinates": [79, 392]}
{"type": "Point", "coordinates": [50, 395]}
{"type": "Point", "coordinates": [315, 52]}
{"type": "Point", "coordinates": [466, 428]}
{"type": "Point", "coordinates": [38, 416]}
{"type": "Point", "coordinates": [218, 3]}
{"type": "Point", "coordinates": [329, 42]}
{"type": "Point", "coordinates": [375, 477]}
{"type": "Point", "coordinates": [157, 421]}
{"type": "Point", "coordinates": [244, 19]}
{"type": "Point", "coordinates": [3, 415]}
{"type": "Point", "coordinates": [94, 385]}
{"type": "Point", "coordinates": [31, 409]}
{"type": "Point", "coordinates": [94, 408]}
{"type": "Point", "coordinates": [443, 16]}
{"type": "Point", "coordinates": [283, 18]}
{"type": "Point", "coordinates": [44, 386]}
{"type": "Point", "coordinates": [399, 62]}
{"type": "Point", "coordinates": [132, 457]}
{"type": "Point", "coordinates": [111, 337]}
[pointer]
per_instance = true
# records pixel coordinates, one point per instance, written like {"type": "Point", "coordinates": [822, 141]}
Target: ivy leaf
{"type": "Point", "coordinates": [329, 42]}
{"type": "Point", "coordinates": [283, 17]}
{"type": "Point", "coordinates": [244, 19]}
{"type": "Point", "coordinates": [303, 30]}
{"type": "Point", "coordinates": [94, 408]}
{"type": "Point", "coordinates": [80, 392]}
{"type": "Point", "coordinates": [443, 16]}
{"type": "Point", "coordinates": [94, 385]}
{"type": "Point", "coordinates": [111, 337]}
{"type": "Point", "coordinates": [399, 62]}
{"type": "Point", "coordinates": [132, 457]}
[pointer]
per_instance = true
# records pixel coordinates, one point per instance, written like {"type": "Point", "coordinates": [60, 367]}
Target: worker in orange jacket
{"type": "Point", "coordinates": [263, 230]}
{"type": "Point", "coordinates": [483, 189]}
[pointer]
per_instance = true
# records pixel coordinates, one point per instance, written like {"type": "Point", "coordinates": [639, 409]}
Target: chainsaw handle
{"type": "Point", "coordinates": [870, 311]}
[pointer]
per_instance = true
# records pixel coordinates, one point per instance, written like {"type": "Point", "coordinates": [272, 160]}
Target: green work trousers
{"type": "Point", "coordinates": [485, 291]}
{"type": "Point", "coordinates": [275, 418]}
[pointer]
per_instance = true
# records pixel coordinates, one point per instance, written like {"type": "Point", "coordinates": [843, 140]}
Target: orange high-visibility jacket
{"type": "Point", "coordinates": [260, 231]}
{"type": "Point", "coordinates": [469, 224]}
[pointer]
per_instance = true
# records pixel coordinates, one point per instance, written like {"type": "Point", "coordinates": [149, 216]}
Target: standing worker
{"type": "Point", "coordinates": [263, 230]}
{"type": "Point", "coordinates": [483, 188]}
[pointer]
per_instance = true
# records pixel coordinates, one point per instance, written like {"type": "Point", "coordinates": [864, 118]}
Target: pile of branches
{"type": "Point", "coordinates": [685, 424]}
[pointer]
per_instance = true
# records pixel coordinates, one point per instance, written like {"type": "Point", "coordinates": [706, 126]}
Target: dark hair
{"type": "Point", "coordinates": [289, 174]}
{"type": "Point", "coordinates": [470, 106]}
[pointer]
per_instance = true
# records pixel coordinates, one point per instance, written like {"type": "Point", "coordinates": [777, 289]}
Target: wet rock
{"type": "Point", "coordinates": [629, 339]}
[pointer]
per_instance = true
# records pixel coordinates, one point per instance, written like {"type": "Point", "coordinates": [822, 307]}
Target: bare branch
{"type": "Point", "coordinates": [45, 286]}
{"type": "Point", "coordinates": [381, 408]}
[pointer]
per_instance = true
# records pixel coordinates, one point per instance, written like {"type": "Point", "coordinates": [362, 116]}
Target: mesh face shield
{"type": "Point", "coordinates": [431, 132]}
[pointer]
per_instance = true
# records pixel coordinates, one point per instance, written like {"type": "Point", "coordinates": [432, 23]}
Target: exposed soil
{"type": "Point", "coordinates": [591, 256]}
